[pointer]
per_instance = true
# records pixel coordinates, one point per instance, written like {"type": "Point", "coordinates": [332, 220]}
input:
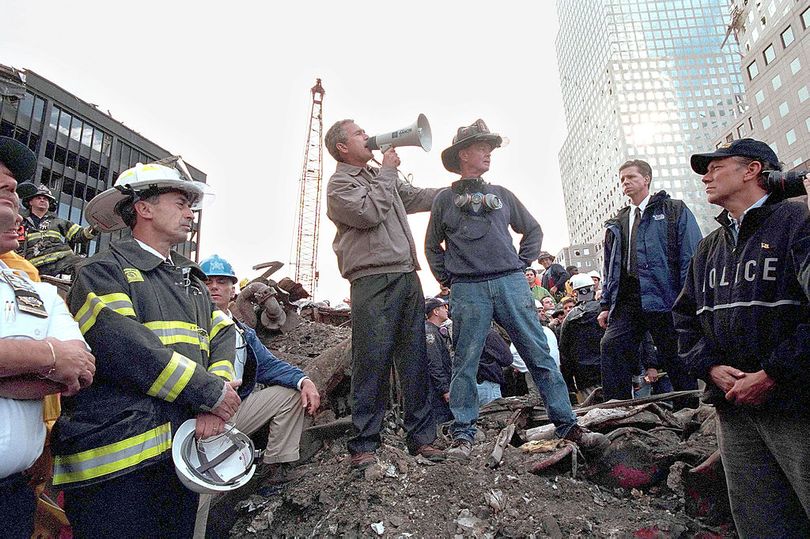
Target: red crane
{"type": "Point", "coordinates": [309, 197]}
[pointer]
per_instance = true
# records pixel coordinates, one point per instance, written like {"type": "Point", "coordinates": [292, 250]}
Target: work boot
{"type": "Point", "coordinates": [362, 460]}
{"type": "Point", "coordinates": [460, 450]}
{"type": "Point", "coordinates": [589, 442]}
{"type": "Point", "coordinates": [281, 472]}
{"type": "Point", "coordinates": [429, 452]}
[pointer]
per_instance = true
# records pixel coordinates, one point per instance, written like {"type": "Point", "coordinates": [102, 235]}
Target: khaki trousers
{"type": "Point", "coordinates": [281, 408]}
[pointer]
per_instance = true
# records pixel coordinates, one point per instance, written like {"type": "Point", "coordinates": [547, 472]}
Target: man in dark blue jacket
{"type": "Point", "coordinates": [743, 322]}
{"type": "Point", "coordinates": [283, 401]}
{"type": "Point", "coordinates": [469, 248]}
{"type": "Point", "coordinates": [495, 357]}
{"type": "Point", "coordinates": [648, 246]}
{"type": "Point", "coordinates": [439, 359]}
{"type": "Point", "coordinates": [580, 335]}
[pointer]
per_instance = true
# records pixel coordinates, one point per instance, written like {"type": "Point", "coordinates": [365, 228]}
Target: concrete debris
{"type": "Point", "coordinates": [675, 478]}
{"type": "Point", "coordinates": [659, 477]}
{"type": "Point", "coordinates": [495, 500]}
{"type": "Point", "coordinates": [471, 525]}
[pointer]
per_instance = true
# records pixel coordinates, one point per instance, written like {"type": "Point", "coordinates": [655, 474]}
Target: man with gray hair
{"type": "Point", "coordinates": [470, 249]}
{"type": "Point", "coordinates": [743, 321]}
{"type": "Point", "coordinates": [165, 356]}
{"type": "Point", "coordinates": [377, 255]}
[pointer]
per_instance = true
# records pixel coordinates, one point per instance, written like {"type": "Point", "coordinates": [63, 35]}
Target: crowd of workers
{"type": "Point", "coordinates": [146, 342]}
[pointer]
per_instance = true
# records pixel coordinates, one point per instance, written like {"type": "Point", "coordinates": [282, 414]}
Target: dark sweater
{"type": "Point", "coordinates": [477, 244]}
{"type": "Point", "coordinates": [495, 356]}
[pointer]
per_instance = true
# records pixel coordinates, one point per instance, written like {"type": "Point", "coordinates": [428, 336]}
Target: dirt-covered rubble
{"type": "Point", "coordinates": [404, 496]}
{"type": "Point", "coordinates": [660, 477]}
{"type": "Point", "coordinates": [308, 339]}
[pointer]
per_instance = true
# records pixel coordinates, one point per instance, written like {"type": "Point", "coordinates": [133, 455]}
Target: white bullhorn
{"type": "Point", "coordinates": [416, 134]}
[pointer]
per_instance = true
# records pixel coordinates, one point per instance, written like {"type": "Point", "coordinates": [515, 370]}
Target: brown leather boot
{"type": "Point", "coordinates": [430, 453]}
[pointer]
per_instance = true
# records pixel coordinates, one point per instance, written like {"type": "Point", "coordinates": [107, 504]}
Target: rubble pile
{"type": "Point", "coordinates": [660, 478]}
{"type": "Point", "coordinates": [309, 339]}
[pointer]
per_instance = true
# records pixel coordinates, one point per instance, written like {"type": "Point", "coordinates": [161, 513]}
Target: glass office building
{"type": "Point", "coordinates": [640, 79]}
{"type": "Point", "coordinates": [80, 149]}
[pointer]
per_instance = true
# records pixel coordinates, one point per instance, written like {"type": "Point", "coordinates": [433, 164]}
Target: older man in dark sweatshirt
{"type": "Point", "coordinates": [479, 262]}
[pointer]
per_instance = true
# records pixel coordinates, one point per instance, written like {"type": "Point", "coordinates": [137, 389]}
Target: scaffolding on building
{"type": "Point", "coordinates": [308, 214]}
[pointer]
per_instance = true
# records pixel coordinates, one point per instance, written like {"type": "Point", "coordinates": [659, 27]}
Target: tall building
{"type": "Point", "coordinates": [773, 37]}
{"type": "Point", "coordinates": [80, 149]}
{"type": "Point", "coordinates": [584, 256]}
{"type": "Point", "coordinates": [640, 79]}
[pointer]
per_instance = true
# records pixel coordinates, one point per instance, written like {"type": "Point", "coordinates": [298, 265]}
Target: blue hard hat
{"type": "Point", "coordinates": [215, 266]}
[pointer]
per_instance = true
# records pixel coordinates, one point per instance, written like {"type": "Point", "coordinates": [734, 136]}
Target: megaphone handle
{"type": "Point", "coordinates": [407, 179]}
{"type": "Point", "coordinates": [385, 147]}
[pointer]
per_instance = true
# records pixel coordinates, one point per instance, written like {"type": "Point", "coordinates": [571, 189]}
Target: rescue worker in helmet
{"type": "Point", "coordinates": [286, 396]}
{"type": "Point", "coordinates": [164, 355]}
{"type": "Point", "coordinates": [50, 241]}
{"type": "Point", "coordinates": [580, 337]}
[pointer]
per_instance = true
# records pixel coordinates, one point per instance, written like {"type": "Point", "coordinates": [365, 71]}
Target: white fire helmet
{"type": "Point", "coordinates": [217, 464]}
{"type": "Point", "coordinates": [581, 280]}
{"type": "Point", "coordinates": [103, 210]}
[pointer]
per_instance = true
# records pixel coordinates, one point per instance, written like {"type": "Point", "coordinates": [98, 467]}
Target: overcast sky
{"type": "Point", "coordinates": [226, 85]}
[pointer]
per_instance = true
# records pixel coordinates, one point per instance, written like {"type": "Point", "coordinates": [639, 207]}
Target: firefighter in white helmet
{"type": "Point", "coordinates": [165, 355]}
{"type": "Point", "coordinates": [580, 335]}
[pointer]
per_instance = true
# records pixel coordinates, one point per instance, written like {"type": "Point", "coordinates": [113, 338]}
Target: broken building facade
{"type": "Point", "coordinates": [80, 149]}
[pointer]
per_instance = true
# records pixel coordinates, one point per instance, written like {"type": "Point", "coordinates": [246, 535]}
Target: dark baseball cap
{"type": "Point", "coordinates": [16, 156]}
{"type": "Point", "coordinates": [432, 303]}
{"type": "Point", "coordinates": [744, 147]}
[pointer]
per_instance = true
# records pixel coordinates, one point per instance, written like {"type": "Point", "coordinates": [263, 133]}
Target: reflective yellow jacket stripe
{"type": "Point", "coordinates": [117, 302]}
{"type": "Point", "coordinates": [176, 331]}
{"type": "Point", "coordinates": [54, 234]}
{"type": "Point", "coordinates": [50, 257]}
{"type": "Point", "coordinates": [173, 378]}
{"type": "Point", "coordinates": [113, 457]}
{"type": "Point", "coordinates": [72, 231]}
{"type": "Point", "coordinates": [223, 369]}
{"type": "Point", "coordinates": [219, 321]}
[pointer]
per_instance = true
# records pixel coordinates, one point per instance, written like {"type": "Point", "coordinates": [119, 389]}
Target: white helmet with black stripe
{"type": "Point", "coordinates": [217, 464]}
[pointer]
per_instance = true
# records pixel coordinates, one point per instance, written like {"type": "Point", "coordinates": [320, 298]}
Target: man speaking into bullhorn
{"type": "Point", "coordinates": [377, 254]}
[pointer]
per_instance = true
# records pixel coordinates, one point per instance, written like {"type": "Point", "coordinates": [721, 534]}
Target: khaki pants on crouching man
{"type": "Point", "coordinates": [281, 408]}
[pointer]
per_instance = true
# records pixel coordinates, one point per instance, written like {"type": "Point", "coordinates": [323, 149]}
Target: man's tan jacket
{"type": "Point", "coordinates": [369, 206]}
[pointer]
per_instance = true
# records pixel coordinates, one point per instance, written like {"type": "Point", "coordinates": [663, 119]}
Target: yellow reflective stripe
{"type": "Point", "coordinates": [55, 234]}
{"type": "Point", "coordinates": [112, 457]}
{"type": "Point", "coordinates": [72, 231]}
{"type": "Point", "coordinates": [173, 378]}
{"type": "Point", "coordinates": [176, 331]}
{"type": "Point", "coordinates": [117, 302]}
{"type": "Point", "coordinates": [50, 257]}
{"type": "Point", "coordinates": [223, 369]}
{"type": "Point", "coordinates": [219, 321]}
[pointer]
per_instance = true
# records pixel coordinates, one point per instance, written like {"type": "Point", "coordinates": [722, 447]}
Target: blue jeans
{"type": "Point", "coordinates": [488, 391]}
{"type": "Point", "coordinates": [509, 302]}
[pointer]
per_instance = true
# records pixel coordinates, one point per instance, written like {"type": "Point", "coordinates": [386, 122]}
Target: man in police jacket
{"type": "Point", "coordinates": [743, 324]}
{"type": "Point", "coordinates": [164, 355]}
